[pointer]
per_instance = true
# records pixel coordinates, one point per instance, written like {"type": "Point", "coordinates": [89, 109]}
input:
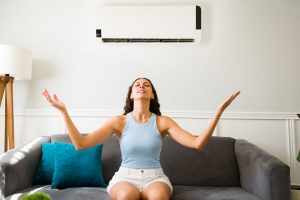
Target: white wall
{"type": "Point", "coordinates": [248, 45]}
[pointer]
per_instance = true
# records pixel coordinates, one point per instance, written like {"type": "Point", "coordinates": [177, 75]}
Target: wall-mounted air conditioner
{"type": "Point", "coordinates": [159, 23]}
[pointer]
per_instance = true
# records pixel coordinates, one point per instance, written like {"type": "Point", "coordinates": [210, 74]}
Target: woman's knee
{"type": "Point", "coordinates": [155, 191]}
{"type": "Point", "coordinates": [124, 191]}
{"type": "Point", "coordinates": [161, 195]}
{"type": "Point", "coordinates": [128, 195]}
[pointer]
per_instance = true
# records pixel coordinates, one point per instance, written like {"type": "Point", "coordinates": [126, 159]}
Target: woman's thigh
{"type": "Point", "coordinates": [156, 190]}
{"type": "Point", "coordinates": [124, 190]}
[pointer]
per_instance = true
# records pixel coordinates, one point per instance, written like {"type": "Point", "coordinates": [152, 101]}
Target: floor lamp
{"type": "Point", "coordinates": [15, 64]}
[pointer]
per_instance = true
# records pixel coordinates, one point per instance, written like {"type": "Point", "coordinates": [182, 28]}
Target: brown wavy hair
{"type": "Point", "coordinates": [154, 103]}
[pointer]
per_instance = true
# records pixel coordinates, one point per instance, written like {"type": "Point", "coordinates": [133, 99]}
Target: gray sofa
{"type": "Point", "coordinates": [227, 169]}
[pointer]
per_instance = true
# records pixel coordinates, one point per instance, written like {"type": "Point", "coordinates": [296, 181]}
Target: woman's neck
{"type": "Point", "coordinates": [141, 111]}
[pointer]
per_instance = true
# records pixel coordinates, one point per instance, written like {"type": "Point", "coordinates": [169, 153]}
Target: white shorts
{"type": "Point", "coordinates": [140, 178]}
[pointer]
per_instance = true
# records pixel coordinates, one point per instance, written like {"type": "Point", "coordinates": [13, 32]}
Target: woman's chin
{"type": "Point", "coordinates": [142, 98]}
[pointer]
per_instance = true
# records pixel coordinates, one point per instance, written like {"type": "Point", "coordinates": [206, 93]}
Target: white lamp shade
{"type": "Point", "coordinates": [16, 62]}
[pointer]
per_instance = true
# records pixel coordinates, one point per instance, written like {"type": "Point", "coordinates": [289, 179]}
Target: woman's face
{"type": "Point", "coordinates": [141, 89]}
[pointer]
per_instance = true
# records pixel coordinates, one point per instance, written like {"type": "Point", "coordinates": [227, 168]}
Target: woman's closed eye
{"type": "Point", "coordinates": [144, 85]}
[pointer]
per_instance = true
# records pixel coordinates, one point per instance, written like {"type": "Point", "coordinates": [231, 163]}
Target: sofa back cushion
{"type": "Point", "coordinates": [111, 157]}
{"type": "Point", "coordinates": [214, 166]}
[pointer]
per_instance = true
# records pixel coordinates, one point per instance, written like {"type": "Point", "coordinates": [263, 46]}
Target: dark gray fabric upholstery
{"type": "Point", "coordinates": [179, 193]}
{"type": "Point", "coordinates": [211, 193]}
{"type": "Point", "coordinates": [221, 166]}
{"type": "Point", "coordinates": [262, 174]}
{"type": "Point", "coordinates": [82, 193]}
{"type": "Point", "coordinates": [18, 166]}
{"type": "Point", "coordinates": [216, 165]}
{"type": "Point", "coordinates": [111, 158]}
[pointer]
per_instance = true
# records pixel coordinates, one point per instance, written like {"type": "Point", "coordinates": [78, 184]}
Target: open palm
{"type": "Point", "coordinates": [55, 102]}
{"type": "Point", "coordinates": [228, 101]}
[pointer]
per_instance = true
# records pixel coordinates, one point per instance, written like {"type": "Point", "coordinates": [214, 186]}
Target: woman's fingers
{"type": "Point", "coordinates": [45, 93]}
{"type": "Point", "coordinates": [237, 93]}
{"type": "Point", "coordinates": [233, 96]}
{"type": "Point", "coordinates": [229, 100]}
{"type": "Point", "coordinates": [55, 97]}
{"type": "Point", "coordinates": [47, 96]}
{"type": "Point", "coordinates": [53, 100]}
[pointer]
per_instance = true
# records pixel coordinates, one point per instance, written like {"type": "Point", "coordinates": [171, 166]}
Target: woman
{"type": "Point", "coordinates": [140, 131]}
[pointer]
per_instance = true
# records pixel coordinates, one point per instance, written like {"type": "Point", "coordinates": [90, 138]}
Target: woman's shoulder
{"type": "Point", "coordinates": [118, 122]}
{"type": "Point", "coordinates": [164, 123]}
{"type": "Point", "coordinates": [119, 118]}
{"type": "Point", "coordinates": [164, 119]}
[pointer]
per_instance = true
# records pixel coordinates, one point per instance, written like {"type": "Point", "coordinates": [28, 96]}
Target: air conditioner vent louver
{"type": "Point", "coordinates": [149, 24]}
{"type": "Point", "coordinates": [142, 40]}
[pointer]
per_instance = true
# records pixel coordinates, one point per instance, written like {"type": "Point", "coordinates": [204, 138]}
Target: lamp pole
{"type": "Point", "coordinates": [6, 84]}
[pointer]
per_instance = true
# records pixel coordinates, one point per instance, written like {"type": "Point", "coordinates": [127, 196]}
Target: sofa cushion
{"type": "Point", "coordinates": [44, 173]}
{"type": "Point", "coordinates": [179, 193]}
{"type": "Point", "coordinates": [77, 168]}
{"type": "Point", "coordinates": [211, 193]}
{"type": "Point", "coordinates": [111, 157]}
{"type": "Point", "coordinates": [215, 166]}
{"type": "Point", "coordinates": [79, 193]}
{"type": "Point", "coordinates": [111, 154]}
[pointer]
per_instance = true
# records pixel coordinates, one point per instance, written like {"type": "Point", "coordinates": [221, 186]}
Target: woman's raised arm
{"type": "Point", "coordinates": [187, 139]}
{"type": "Point", "coordinates": [80, 141]}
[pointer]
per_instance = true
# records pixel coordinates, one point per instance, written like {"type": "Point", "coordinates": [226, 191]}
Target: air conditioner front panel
{"type": "Point", "coordinates": [147, 22]}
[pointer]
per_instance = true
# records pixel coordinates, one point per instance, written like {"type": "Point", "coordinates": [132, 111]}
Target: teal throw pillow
{"type": "Point", "coordinates": [74, 168]}
{"type": "Point", "coordinates": [45, 170]}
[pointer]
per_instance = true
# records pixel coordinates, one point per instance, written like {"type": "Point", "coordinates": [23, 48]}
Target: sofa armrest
{"type": "Point", "coordinates": [18, 166]}
{"type": "Point", "coordinates": [261, 173]}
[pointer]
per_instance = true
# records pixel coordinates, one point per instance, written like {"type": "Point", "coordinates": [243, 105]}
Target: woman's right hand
{"type": "Point", "coordinates": [55, 102]}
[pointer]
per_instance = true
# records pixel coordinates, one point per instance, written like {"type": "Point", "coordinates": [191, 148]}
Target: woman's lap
{"type": "Point", "coordinates": [139, 178]}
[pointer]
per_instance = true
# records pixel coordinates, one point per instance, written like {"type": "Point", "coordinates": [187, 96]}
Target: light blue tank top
{"type": "Point", "coordinates": [140, 144]}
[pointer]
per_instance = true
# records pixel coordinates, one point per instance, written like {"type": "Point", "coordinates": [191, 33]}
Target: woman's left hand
{"type": "Point", "coordinates": [228, 101]}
